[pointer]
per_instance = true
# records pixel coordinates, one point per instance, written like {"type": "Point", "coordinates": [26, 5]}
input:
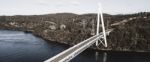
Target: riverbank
{"type": "Point", "coordinates": [28, 48]}
{"type": "Point", "coordinates": [131, 34]}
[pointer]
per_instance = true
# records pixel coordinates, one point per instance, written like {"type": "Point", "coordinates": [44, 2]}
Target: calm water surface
{"type": "Point", "coordinates": [17, 46]}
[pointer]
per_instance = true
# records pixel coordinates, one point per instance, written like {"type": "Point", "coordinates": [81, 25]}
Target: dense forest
{"type": "Point", "coordinates": [131, 34]}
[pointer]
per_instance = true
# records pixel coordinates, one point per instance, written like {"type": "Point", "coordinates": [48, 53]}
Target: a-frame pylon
{"type": "Point", "coordinates": [103, 40]}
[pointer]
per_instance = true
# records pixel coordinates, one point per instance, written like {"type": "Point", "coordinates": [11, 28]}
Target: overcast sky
{"type": "Point", "coordinates": [34, 7]}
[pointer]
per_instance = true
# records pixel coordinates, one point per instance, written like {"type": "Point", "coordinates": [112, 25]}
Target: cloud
{"type": "Point", "coordinates": [58, 3]}
{"type": "Point", "coordinates": [74, 2]}
{"type": "Point", "coordinates": [67, 3]}
{"type": "Point", "coordinates": [42, 2]}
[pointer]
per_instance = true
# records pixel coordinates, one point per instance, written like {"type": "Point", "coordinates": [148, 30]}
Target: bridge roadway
{"type": "Point", "coordinates": [73, 51]}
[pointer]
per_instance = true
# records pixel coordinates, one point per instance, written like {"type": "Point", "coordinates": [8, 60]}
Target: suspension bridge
{"type": "Point", "coordinates": [75, 50]}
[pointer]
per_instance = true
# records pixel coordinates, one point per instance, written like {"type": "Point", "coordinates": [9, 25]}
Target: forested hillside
{"type": "Point", "coordinates": [132, 34]}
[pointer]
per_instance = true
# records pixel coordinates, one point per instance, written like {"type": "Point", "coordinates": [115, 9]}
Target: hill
{"type": "Point", "coordinates": [69, 28]}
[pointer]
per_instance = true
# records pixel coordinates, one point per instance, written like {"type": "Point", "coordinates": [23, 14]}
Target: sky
{"type": "Point", "coordinates": [37, 7]}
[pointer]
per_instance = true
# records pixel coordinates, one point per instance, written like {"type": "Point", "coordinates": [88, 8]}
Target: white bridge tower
{"type": "Point", "coordinates": [102, 40]}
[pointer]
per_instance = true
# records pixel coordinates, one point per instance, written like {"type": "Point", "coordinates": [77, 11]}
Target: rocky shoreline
{"type": "Point", "coordinates": [130, 34]}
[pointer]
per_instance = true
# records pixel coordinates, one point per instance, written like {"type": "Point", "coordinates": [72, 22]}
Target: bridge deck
{"type": "Point", "coordinates": [70, 53]}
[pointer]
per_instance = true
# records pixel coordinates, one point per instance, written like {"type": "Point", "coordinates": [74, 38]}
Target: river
{"type": "Point", "coordinates": [17, 46]}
